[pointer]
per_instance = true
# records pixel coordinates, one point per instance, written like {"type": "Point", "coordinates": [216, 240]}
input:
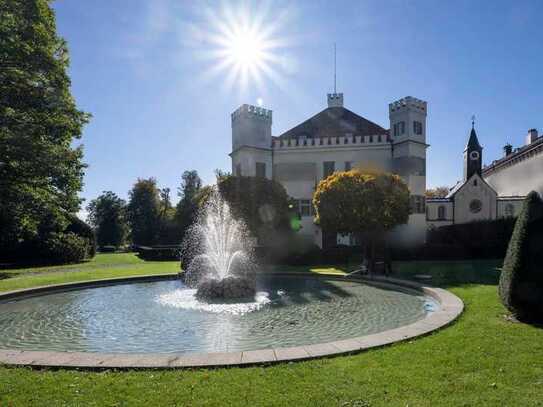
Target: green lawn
{"type": "Point", "coordinates": [480, 360]}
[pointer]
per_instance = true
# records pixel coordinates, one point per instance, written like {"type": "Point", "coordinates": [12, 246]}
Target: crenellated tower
{"type": "Point", "coordinates": [251, 141]}
{"type": "Point", "coordinates": [408, 139]}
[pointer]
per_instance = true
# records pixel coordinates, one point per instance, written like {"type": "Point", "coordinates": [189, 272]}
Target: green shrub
{"type": "Point", "coordinates": [64, 248]}
{"type": "Point", "coordinates": [108, 249]}
{"type": "Point", "coordinates": [521, 280]}
{"type": "Point", "coordinates": [84, 230]}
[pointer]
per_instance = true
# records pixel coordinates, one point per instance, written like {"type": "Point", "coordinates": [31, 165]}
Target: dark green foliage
{"type": "Point", "coordinates": [108, 249]}
{"type": "Point", "coordinates": [107, 214]}
{"type": "Point", "coordinates": [82, 229]}
{"type": "Point", "coordinates": [64, 248]}
{"type": "Point", "coordinates": [187, 207]}
{"type": "Point", "coordinates": [521, 280]}
{"type": "Point", "coordinates": [260, 202]}
{"type": "Point", "coordinates": [144, 212]}
{"type": "Point", "coordinates": [486, 239]}
{"type": "Point", "coordinates": [40, 172]}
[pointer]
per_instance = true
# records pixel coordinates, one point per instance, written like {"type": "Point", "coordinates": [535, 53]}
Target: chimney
{"type": "Point", "coordinates": [531, 137]}
{"type": "Point", "coordinates": [507, 149]}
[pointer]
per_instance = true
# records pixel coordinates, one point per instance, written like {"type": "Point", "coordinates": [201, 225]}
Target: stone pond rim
{"type": "Point", "coordinates": [450, 308]}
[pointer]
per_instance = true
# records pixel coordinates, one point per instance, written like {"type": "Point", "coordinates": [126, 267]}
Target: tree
{"type": "Point", "coordinates": [107, 214]}
{"type": "Point", "coordinates": [144, 212]}
{"type": "Point", "coordinates": [521, 279]}
{"type": "Point", "coordinates": [437, 192]}
{"type": "Point", "coordinates": [187, 207]}
{"type": "Point", "coordinates": [262, 203]}
{"type": "Point", "coordinates": [40, 173]}
{"type": "Point", "coordinates": [361, 203]}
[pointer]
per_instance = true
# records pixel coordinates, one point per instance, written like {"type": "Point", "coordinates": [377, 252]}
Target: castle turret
{"type": "Point", "coordinates": [251, 141]}
{"type": "Point", "coordinates": [408, 138]}
{"type": "Point", "coordinates": [473, 156]}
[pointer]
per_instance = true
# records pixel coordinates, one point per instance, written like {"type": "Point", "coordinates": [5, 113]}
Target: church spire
{"type": "Point", "coordinates": [473, 154]}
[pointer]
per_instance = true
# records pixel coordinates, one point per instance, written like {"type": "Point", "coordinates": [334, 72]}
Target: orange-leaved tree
{"type": "Point", "coordinates": [362, 203]}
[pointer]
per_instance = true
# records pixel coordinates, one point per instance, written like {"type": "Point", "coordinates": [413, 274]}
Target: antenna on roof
{"type": "Point", "coordinates": [335, 68]}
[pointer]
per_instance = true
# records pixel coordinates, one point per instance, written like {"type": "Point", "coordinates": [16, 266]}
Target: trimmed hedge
{"type": "Point", "coordinates": [521, 280]}
{"type": "Point", "coordinates": [475, 240]}
{"type": "Point", "coordinates": [159, 253]}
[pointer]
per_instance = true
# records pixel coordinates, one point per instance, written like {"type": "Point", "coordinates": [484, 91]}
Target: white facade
{"type": "Point", "coordinates": [336, 139]}
{"type": "Point", "coordinates": [494, 192]}
{"type": "Point", "coordinates": [519, 171]}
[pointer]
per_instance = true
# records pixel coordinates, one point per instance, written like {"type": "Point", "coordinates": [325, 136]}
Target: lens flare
{"type": "Point", "coordinates": [244, 47]}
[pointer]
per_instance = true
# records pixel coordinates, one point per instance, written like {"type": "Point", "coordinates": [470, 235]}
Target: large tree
{"type": "Point", "coordinates": [107, 214]}
{"type": "Point", "coordinates": [144, 212]}
{"type": "Point", "coordinates": [262, 203]}
{"type": "Point", "coordinates": [187, 207]}
{"type": "Point", "coordinates": [364, 204]}
{"type": "Point", "coordinates": [40, 172]}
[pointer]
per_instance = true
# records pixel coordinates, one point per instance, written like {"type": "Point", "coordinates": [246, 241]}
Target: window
{"type": "Point", "coordinates": [441, 212]}
{"type": "Point", "coordinates": [305, 207]}
{"type": "Point", "coordinates": [399, 128]}
{"type": "Point", "coordinates": [238, 170]}
{"type": "Point", "coordinates": [417, 204]}
{"type": "Point", "coordinates": [509, 210]}
{"type": "Point", "coordinates": [475, 182]}
{"type": "Point", "coordinates": [261, 170]}
{"type": "Point", "coordinates": [348, 166]}
{"type": "Point", "coordinates": [328, 168]}
{"type": "Point", "coordinates": [475, 206]}
{"type": "Point", "coordinates": [417, 127]}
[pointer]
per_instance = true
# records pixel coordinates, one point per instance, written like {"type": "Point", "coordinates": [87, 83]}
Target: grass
{"type": "Point", "coordinates": [481, 360]}
{"type": "Point", "coordinates": [101, 266]}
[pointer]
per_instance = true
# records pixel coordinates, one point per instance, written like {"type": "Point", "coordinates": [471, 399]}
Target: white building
{"type": "Point", "coordinates": [336, 139]}
{"type": "Point", "coordinates": [497, 191]}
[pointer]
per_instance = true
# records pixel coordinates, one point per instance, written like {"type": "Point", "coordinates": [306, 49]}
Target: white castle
{"type": "Point", "coordinates": [336, 139]}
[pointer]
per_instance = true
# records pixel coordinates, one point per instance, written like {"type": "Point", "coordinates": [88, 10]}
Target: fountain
{"type": "Point", "coordinates": [216, 254]}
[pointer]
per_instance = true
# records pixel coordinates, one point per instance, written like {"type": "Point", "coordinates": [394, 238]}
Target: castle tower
{"type": "Point", "coordinates": [473, 155]}
{"type": "Point", "coordinates": [408, 138]}
{"type": "Point", "coordinates": [251, 141]}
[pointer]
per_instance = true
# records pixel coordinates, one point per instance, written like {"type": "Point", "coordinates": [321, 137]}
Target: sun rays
{"type": "Point", "coordinates": [244, 48]}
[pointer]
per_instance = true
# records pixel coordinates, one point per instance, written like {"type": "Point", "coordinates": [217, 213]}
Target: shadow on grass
{"type": "Point", "coordinates": [442, 273]}
{"type": "Point", "coordinates": [451, 273]}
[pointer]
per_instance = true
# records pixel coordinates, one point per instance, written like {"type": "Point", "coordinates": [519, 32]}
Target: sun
{"type": "Point", "coordinates": [244, 47]}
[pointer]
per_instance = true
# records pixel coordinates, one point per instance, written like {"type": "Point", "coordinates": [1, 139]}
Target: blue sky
{"type": "Point", "coordinates": [143, 69]}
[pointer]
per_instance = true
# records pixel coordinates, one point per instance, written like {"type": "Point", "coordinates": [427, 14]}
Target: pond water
{"type": "Point", "coordinates": [165, 317]}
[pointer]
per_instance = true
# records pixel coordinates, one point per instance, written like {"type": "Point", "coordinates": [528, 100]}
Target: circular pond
{"type": "Point", "coordinates": [165, 316]}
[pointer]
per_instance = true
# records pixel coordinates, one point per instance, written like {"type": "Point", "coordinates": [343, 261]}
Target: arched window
{"type": "Point", "coordinates": [441, 211]}
{"type": "Point", "coordinates": [509, 210]}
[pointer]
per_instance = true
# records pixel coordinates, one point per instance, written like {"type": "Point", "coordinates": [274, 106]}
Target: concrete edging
{"type": "Point", "coordinates": [450, 308]}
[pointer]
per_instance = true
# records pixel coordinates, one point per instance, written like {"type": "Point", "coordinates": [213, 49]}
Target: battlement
{"type": "Point", "coordinates": [335, 100]}
{"type": "Point", "coordinates": [250, 111]}
{"type": "Point", "coordinates": [407, 102]}
{"type": "Point", "coordinates": [331, 142]}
